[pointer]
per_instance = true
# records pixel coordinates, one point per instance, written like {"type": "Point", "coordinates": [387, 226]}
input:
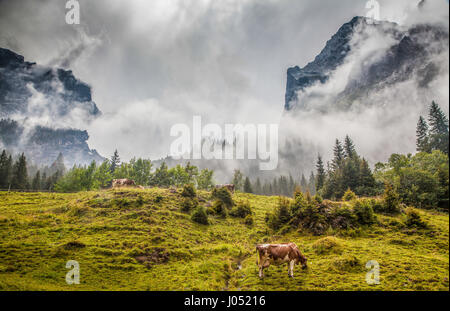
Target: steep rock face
{"type": "Point", "coordinates": [62, 91]}
{"type": "Point", "coordinates": [408, 54]}
{"type": "Point", "coordinates": [32, 92]}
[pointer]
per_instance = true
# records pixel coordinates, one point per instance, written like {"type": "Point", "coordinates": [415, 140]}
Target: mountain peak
{"type": "Point", "coordinates": [410, 46]}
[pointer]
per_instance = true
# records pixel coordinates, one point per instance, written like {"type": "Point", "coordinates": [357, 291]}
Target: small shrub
{"type": "Point", "coordinates": [219, 209]}
{"type": "Point", "coordinates": [318, 198]}
{"type": "Point", "coordinates": [74, 245]}
{"type": "Point", "coordinates": [224, 195]}
{"type": "Point", "coordinates": [364, 212]}
{"type": "Point", "coordinates": [348, 264]}
{"type": "Point", "coordinates": [391, 200]}
{"type": "Point", "coordinates": [413, 219]}
{"type": "Point", "coordinates": [326, 245]}
{"type": "Point", "coordinates": [312, 218]}
{"type": "Point", "coordinates": [349, 195]}
{"type": "Point", "coordinates": [188, 204]}
{"type": "Point", "coordinates": [281, 215]}
{"type": "Point", "coordinates": [242, 210]}
{"type": "Point", "coordinates": [199, 216]}
{"type": "Point", "coordinates": [189, 191]}
{"type": "Point", "coordinates": [377, 205]}
{"type": "Point", "coordinates": [248, 220]}
{"type": "Point", "coordinates": [342, 218]}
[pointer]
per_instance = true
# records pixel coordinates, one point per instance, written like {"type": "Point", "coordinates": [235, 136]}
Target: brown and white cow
{"type": "Point", "coordinates": [118, 183]}
{"type": "Point", "coordinates": [278, 254]}
{"type": "Point", "coordinates": [230, 187]}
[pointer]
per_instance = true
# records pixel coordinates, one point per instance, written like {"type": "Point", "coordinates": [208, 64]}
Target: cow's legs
{"type": "Point", "coordinates": [261, 272]}
{"type": "Point", "coordinates": [291, 268]}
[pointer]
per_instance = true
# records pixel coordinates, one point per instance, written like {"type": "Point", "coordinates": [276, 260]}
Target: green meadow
{"type": "Point", "coordinates": [141, 240]}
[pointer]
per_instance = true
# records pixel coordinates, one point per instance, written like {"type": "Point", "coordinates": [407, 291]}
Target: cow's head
{"type": "Point", "coordinates": [302, 260]}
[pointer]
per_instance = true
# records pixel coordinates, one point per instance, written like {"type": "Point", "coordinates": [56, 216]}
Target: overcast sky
{"type": "Point", "coordinates": [157, 62]}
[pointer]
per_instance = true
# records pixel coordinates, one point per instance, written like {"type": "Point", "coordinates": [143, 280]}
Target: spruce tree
{"type": "Point", "coordinates": [320, 178]}
{"type": "Point", "coordinates": [20, 175]}
{"type": "Point", "coordinates": [238, 179]}
{"type": "Point", "coordinates": [291, 185]}
{"type": "Point", "coordinates": [422, 142]}
{"type": "Point", "coordinates": [258, 189]}
{"type": "Point", "coordinates": [366, 179]}
{"type": "Point", "coordinates": [338, 156]}
{"type": "Point", "coordinates": [248, 186]}
{"type": "Point", "coordinates": [115, 161]}
{"type": "Point", "coordinates": [5, 170]}
{"type": "Point", "coordinates": [36, 183]}
{"type": "Point", "coordinates": [349, 148]}
{"type": "Point", "coordinates": [438, 129]}
{"type": "Point", "coordinates": [312, 184]}
{"type": "Point", "coordinates": [58, 165]}
{"type": "Point", "coordinates": [303, 183]}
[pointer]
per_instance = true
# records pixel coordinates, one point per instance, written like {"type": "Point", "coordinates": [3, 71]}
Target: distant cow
{"type": "Point", "coordinates": [279, 254]}
{"type": "Point", "coordinates": [230, 187]}
{"type": "Point", "coordinates": [118, 183]}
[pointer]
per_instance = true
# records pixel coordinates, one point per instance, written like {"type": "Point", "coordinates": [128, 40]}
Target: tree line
{"type": "Point", "coordinates": [94, 176]}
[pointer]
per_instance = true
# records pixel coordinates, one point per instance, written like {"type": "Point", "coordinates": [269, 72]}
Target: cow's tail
{"type": "Point", "coordinates": [257, 256]}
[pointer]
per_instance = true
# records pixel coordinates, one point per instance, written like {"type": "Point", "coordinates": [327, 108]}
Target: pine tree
{"type": "Point", "coordinates": [312, 184]}
{"type": "Point", "coordinates": [20, 175]}
{"type": "Point", "coordinates": [349, 148]}
{"type": "Point", "coordinates": [5, 170]}
{"type": "Point", "coordinates": [248, 186]}
{"type": "Point", "coordinates": [338, 156]}
{"type": "Point", "coordinates": [36, 183]}
{"type": "Point", "coordinates": [320, 178]}
{"type": "Point", "coordinates": [291, 185]}
{"type": "Point", "coordinates": [115, 161]}
{"type": "Point", "coordinates": [44, 181]}
{"type": "Point", "coordinates": [58, 165]}
{"type": "Point", "coordinates": [422, 141]}
{"type": "Point", "coordinates": [366, 179]}
{"type": "Point", "coordinates": [438, 129]}
{"type": "Point", "coordinates": [238, 179]}
{"type": "Point", "coordinates": [303, 183]}
{"type": "Point", "coordinates": [258, 189]}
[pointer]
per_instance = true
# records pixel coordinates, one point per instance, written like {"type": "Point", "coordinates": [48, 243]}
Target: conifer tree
{"type": "Point", "coordinates": [422, 142]}
{"type": "Point", "coordinates": [248, 186]}
{"type": "Point", "coordinates": [338, 156]}
{"type": "Point", "coordinates": [115, 161]}
{"type": "Point", "coordinates": [36, 183]}
{"type": "Point", "coordinates": [312, 184]}
{"type": "Point", "coordinates": [5, 170]}
{"type": "Point", "coordinates": [438, 129]}
{"type": "Point", "coordinates": [303, 183]}
{"type": "Point", "coordinates": [320, 179]}
{"type": "Point", "coordinates": [349, 148]}
{"type": "Point", "coordinates": [20, 175]}
{"type": "Point", "coordinates": [258, 189]}
{"type": "Point", "coordinates": [238, 180]}
{"type": "Point", "coordinates": [366, 179]}
{"type": "Point", "coordinates": [58, 165]}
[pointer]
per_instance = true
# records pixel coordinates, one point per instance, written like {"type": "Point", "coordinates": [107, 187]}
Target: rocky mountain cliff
{"type": "Point", "coordinates": [38, 107]}
{"type": "Point", "coordinates": [408, 54]}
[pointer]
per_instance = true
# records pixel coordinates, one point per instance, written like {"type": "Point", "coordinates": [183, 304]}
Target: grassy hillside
{"type": "Point", "coordinates": [140, 240]}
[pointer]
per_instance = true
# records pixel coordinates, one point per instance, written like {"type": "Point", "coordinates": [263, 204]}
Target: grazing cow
{"type": "Point", "coordinates": [118, 183]}
{"type": "Point", "coordinates": [230, 187]}
{"type": "Point", "coordinates": [279, 254]}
